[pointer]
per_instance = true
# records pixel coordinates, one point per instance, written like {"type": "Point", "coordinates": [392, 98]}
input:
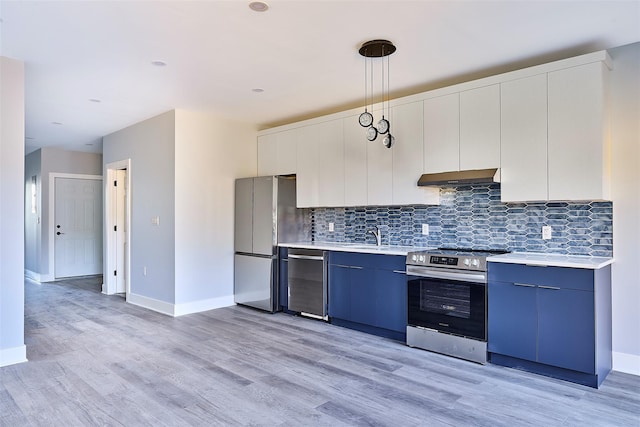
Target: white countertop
{"type": "Point", "coordinates": [552, 260]}
{"type": "Point", "coordinates": [354, 247]}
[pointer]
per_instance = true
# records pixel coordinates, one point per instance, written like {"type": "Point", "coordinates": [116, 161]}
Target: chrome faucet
{"type": "Point", "coordinates": [377, 235]}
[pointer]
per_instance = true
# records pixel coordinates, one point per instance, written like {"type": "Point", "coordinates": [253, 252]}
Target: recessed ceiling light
{"type": "Point", "coordinates": [257, 90]}
{"type": "Point", "coordinates": [56, 123]}
{"type": "Point", "coordinates": [258, 6]}
{"type": "Point", "coordinates": [158, 63]}
{"type": "Point", "coordinates": [94, 100]}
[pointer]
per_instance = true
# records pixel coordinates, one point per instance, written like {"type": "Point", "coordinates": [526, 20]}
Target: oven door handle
{"type": "Point", "coordinates": [459, 276]}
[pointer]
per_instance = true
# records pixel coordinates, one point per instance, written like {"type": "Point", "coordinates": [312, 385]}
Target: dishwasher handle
{"type": "Point", "coordinates": [310, 257]}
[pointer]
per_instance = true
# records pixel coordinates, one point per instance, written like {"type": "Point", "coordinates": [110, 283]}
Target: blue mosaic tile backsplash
{"type": "Point", "coordinates": [474, 217]}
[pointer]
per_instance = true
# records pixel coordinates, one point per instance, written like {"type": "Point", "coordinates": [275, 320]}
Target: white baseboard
{"type": "Point", "coordinates": [151, 304]}
{"type": "Point", "coordinates": [36, 277]}
{"type": "Point", "coordinates": [11, 356]}
{"type": "Point", "coordinates": [203, 305]}
{"type": "Point", "coordinates": [176, 310]}
{"type": "Point", "coordinates": [627, 363]}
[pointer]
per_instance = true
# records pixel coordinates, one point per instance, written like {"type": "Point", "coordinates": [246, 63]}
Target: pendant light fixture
{"type": "Point", "coordinates": [376, 49]}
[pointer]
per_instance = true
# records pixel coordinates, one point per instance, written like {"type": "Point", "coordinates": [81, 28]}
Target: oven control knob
{"type": "Point", "coordinates": [475, 262]}
{"type": "Point", "coordinates": [466, 262]}
{"type": "Point", "coordinates": [421, 258]}
{"type": "Point", "coordinates": [414, 257]}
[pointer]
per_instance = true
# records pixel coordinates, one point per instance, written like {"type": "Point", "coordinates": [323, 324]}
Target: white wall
{"type": "Point", "coordinates": [12, 348]}
{"type": "Point", "coordinates": [151, 147]}
{"type": "Point", "coordinates": [625, 186]}
{"type": "Point", "coordinates": [210, 154]}
{"type": "Point", "coordinates": [32, 221]}
{"type": "Point", "coordinates": [38, 235]}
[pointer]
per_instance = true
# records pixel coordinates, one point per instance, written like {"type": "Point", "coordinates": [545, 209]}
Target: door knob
{"type": "Point", "coordinates": [59, 233]}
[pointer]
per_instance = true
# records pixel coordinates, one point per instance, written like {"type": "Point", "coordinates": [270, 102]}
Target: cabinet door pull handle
{"type": "Point", "coordinates": [526, 285]}
{"type": "Point", "coordinates": [400, 271]}
{"type": "Point", "coordinates": [356, 267]}
{"type": "Point", "coordinates": [553, 288]}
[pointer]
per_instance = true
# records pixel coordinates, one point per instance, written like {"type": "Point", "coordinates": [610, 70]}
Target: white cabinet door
{"type": "Point", "coordinates": [331, 163]}
{"type": "Point", "coordinates": [442, 134]}
{"type": "Point", "coordinates": [524, 139]}
{"type": "Point", "coordinates": [379, 173]}
{"type": "Point", "coordinates": [480, 128]}
{"type": "Point", "coordinates": [577, 149]}
{"type": "Point", "coordinates": [277, 153]}
{"type": "Point", "coordinates": [320, 165]}
{"type": "Point", "coordinates": [268, 154]}
{"type": "Point", "coordinates": [355, 162]}
{"type": "Point", "coordinates": [308, 169]}
{"type": "Point", "coordinates": [406, 122]}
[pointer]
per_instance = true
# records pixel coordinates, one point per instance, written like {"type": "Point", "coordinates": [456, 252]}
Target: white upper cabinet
{"type": "Point", "coordinates": [277, 153]}
{"type": "Point", "coordinates": [578, 155]}
{"type": "Point", "coordinates": [406, 127]}
{"type": "Point", "coordinates": [524, 139]}
{"type": "Point", "coordinates": [545, 127]}
{"type": "Point", "coordinates": [355, 162]}
{"type": "Point", "coordinates": [480, 128]}
{"type": "Point", "coordinates": [379, 172]}
{"type": "Point", "coordinates": [442, 134]}
{"type": "Point", "coordinates": [320, 165]}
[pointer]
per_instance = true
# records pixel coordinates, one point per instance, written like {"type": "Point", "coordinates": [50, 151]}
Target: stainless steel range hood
{"type": "Point", "coordinates": [468, 177]}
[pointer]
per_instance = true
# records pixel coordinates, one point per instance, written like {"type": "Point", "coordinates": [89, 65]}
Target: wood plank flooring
{"type": "Point", "coordinates": [95, 360]}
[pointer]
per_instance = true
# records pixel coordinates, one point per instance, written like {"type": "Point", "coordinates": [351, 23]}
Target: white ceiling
{"type": "Point", "coordinates": [302, 53]}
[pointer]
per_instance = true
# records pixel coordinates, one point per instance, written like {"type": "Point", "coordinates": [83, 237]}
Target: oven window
{"type": "Point", "coordinates": [447, 299]}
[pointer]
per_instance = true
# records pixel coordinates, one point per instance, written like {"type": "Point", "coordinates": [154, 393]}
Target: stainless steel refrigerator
{"type": "Point", "coordinates": [265, 215]}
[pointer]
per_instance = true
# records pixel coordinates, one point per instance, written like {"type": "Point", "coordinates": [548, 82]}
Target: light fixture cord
{"type": "Point", "coordinates": [371, 62]}
{"type": "Point", "coordinates": [382, 80]}
{"type": "Point", "coordinates": [388, 92]}
{"type": "Point", "coordinates": [365, 81]}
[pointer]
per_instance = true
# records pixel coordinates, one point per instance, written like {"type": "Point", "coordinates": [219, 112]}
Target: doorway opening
{"type": "Point", "coordinates": [117, 228]}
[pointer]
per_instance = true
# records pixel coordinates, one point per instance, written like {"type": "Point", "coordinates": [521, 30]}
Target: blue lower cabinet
{"type": "Point", "coordinates": [339, 291]}
{"type": "Point", "coordinates": [512, 320]}
{"type": "Point", "coordinates": [391, 303]}
{"type": "Point", "coordinates": [555, 321]}
{"type": "Point", "coordinates": [367, 295]}
{"type": "Point", "coordinates": [566, 329]}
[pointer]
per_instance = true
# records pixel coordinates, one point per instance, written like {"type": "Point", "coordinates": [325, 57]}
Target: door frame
{"type": "Point", "coordinates": [109, 284]}
{"type": "Point", "coordinates": [52, 216]}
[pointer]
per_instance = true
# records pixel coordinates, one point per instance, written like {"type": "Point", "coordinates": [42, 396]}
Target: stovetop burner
{"type": "Point", "coordinates": [478, 252]}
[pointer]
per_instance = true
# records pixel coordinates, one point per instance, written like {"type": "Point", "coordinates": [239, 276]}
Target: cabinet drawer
{"type": "Point", "coordinates": [365, 260]}
{"type": "Point", "coordinates": [558, 277]}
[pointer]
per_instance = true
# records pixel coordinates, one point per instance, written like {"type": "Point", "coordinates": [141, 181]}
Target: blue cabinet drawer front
{"type": "Point", "coordinates": [356, 259]}
{"type": "Point", "coordinates": [560, 277]}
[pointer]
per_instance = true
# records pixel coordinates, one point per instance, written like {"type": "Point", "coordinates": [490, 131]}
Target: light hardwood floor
{"type": "Point", "coordinates": [95, 360]}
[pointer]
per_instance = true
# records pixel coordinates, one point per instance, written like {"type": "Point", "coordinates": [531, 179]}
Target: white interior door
{"type": "Point", "coordinates": [120, 229]}
{"type": "Point", "coordinates": [78, 227]}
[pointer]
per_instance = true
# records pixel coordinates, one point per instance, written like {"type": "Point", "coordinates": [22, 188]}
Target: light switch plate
{"type": "Point", "coordinates": [425, 229]}
{"type": "Point", "coordinates": [330, 226]}
{"type": "Point", "coordinates": [547, 231]}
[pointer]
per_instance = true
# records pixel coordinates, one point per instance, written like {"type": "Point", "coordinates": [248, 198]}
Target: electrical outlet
{"type": "Point", "coordinates": [546, 232]}
{"type": "Point", "coordinates": [425, 229]}
{"type": "Point", "coordinates": [330, 226]}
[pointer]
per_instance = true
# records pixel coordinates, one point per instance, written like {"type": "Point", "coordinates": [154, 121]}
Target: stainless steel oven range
{"type": "Point", "coordinates": [447, 302]}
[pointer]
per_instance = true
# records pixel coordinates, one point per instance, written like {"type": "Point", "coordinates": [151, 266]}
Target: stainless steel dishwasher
{"type": "Point", "coordinates": [307, 282]}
